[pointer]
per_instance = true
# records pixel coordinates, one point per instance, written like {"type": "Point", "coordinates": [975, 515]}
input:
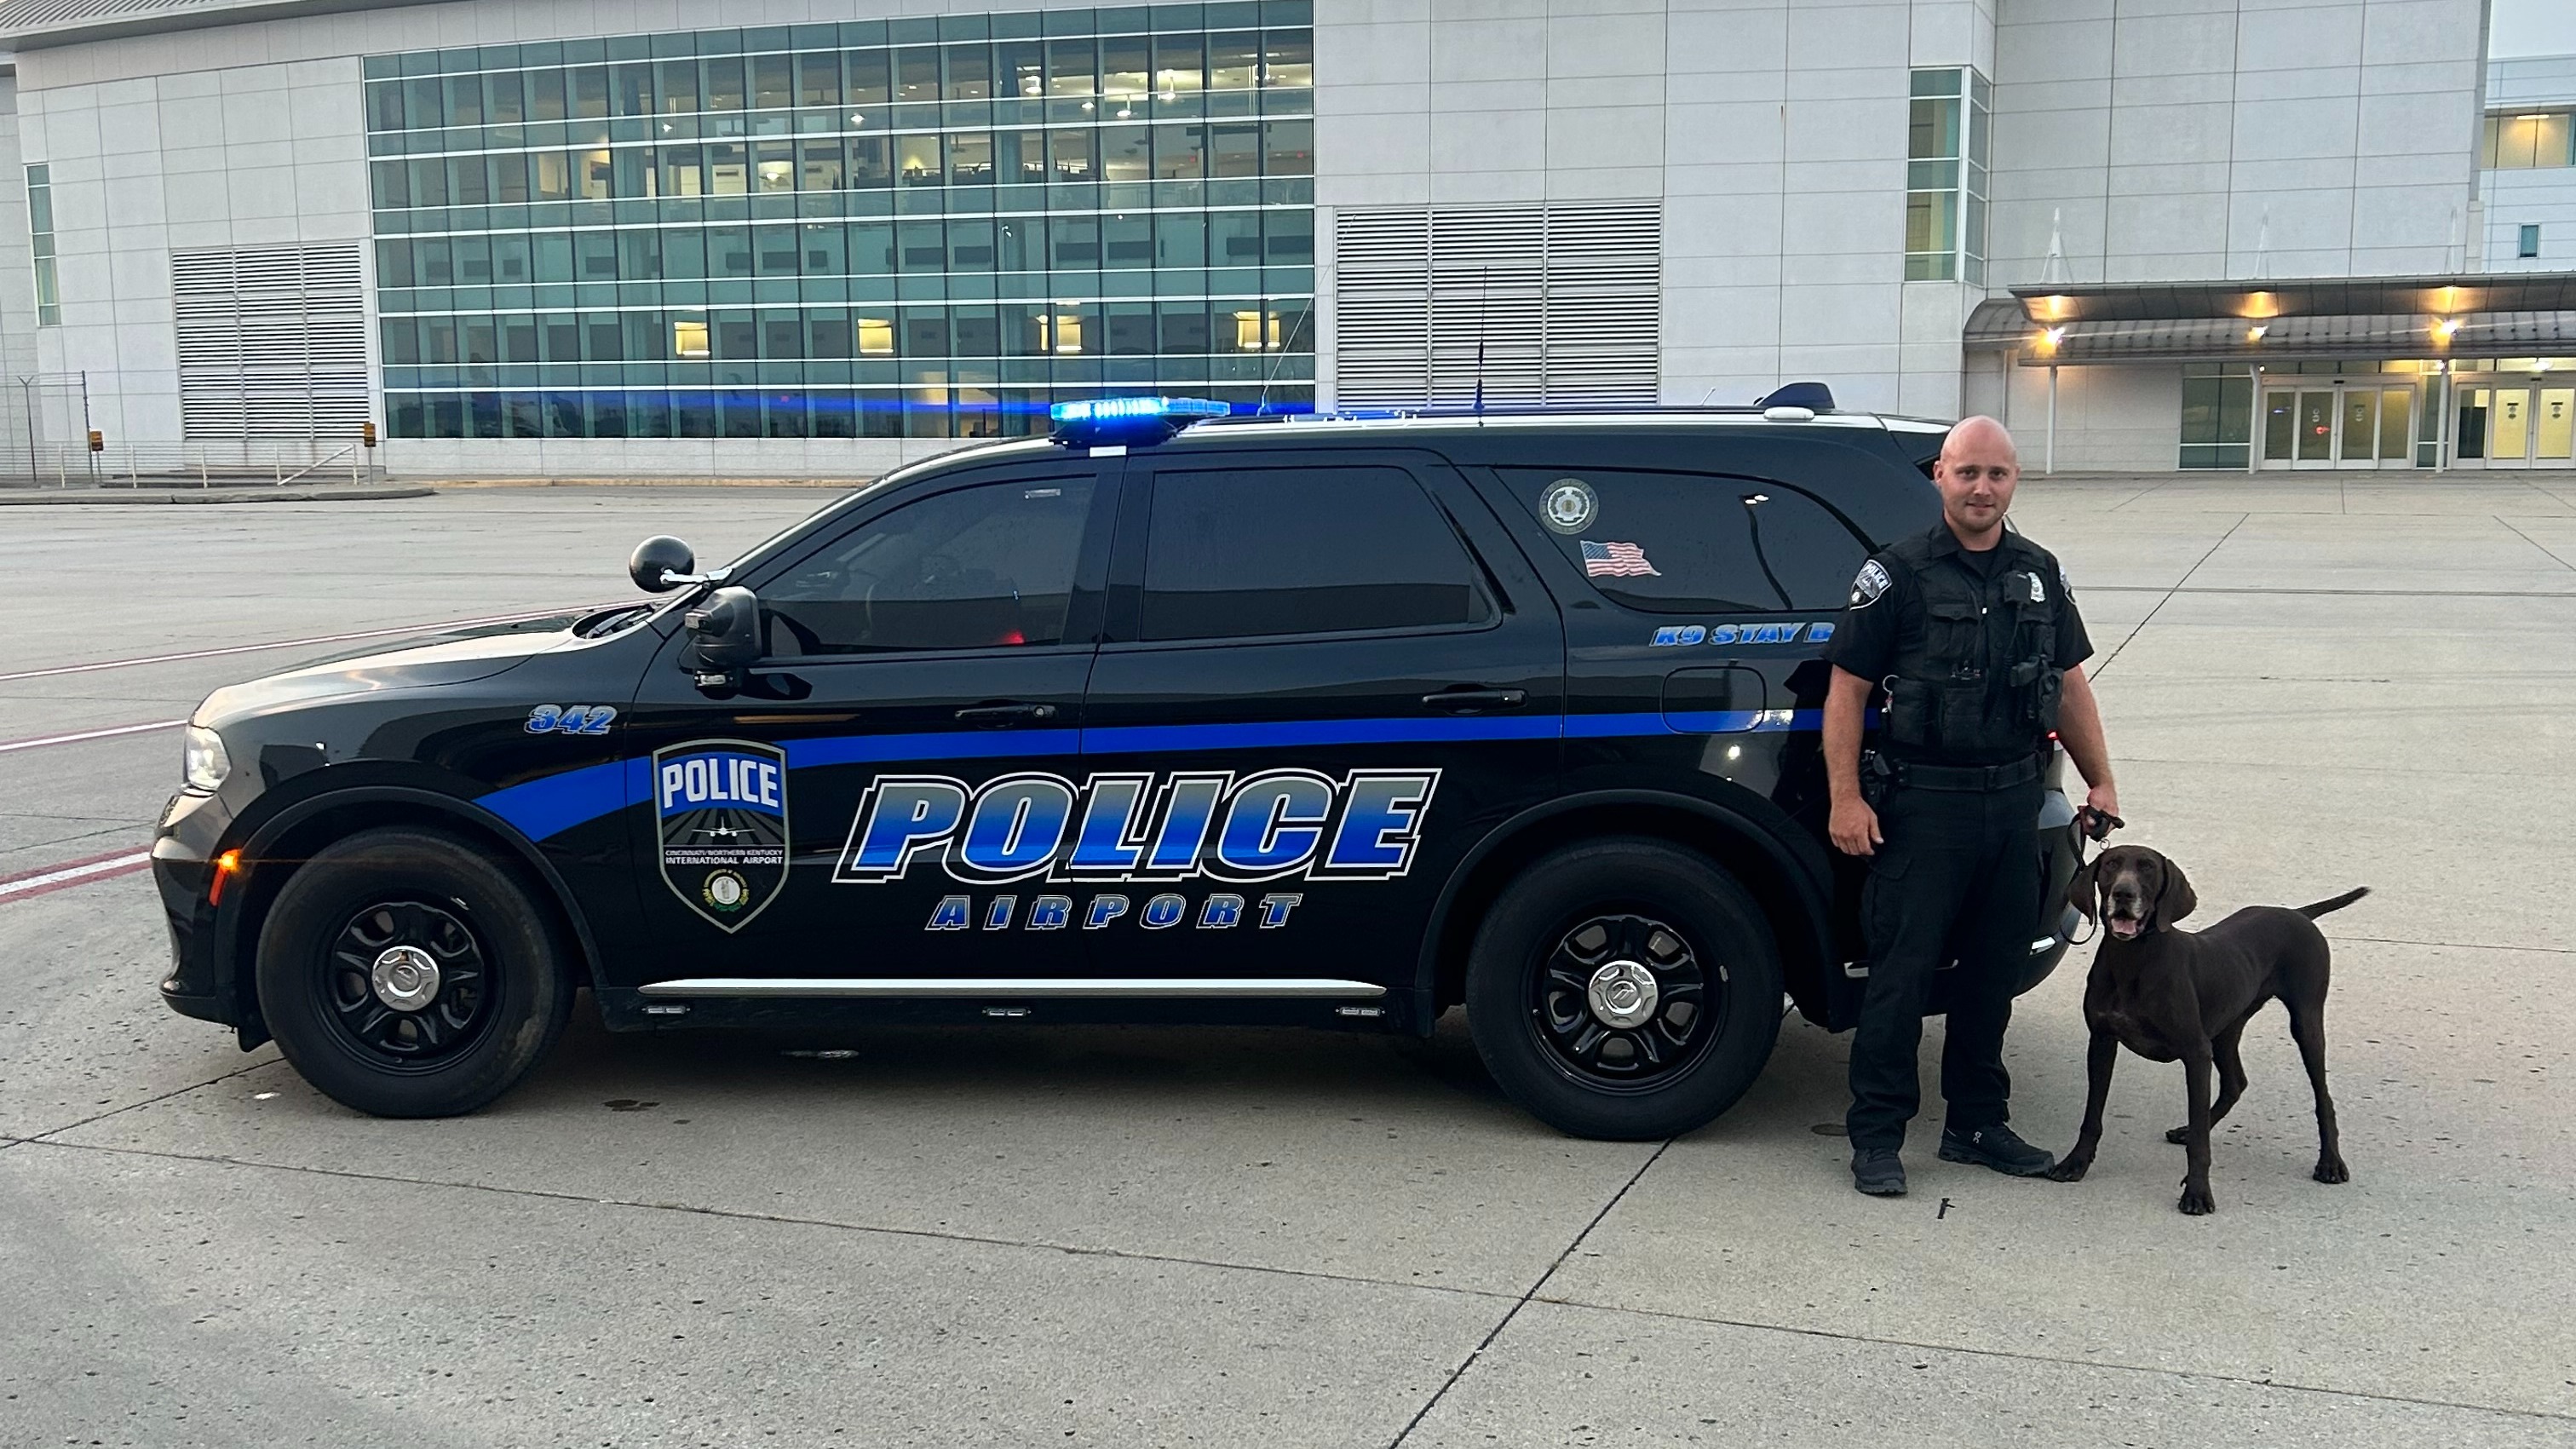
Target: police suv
{"type": "Point", "coordinates": [1169, 717]}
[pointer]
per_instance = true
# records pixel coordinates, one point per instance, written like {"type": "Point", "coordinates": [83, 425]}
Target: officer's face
{"type": "Point", "coordinates": [1976, 477]}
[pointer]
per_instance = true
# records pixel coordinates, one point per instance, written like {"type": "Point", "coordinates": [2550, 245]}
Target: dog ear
{"type": "Point", "coordinates": [2083, 892]}
{"type": "Point", "coordinates": [2175, 898]}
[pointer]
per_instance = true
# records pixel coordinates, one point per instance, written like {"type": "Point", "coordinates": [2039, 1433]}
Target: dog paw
{"type": "Point", "coordinates": [2331, 1169]}
{"type": "Point", "coordinates": [2069, 1170]}
{"type": "Point", "coordinates": [2196, 1201]}
{"type": "Point", "coordinates": [2178, 1135]}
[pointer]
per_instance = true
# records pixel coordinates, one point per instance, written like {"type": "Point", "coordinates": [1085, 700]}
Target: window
{"type": "Point", "coordinates": [970, 569]}
{"type": "Point", "coordinates": [2217, 415]}
{"type": "Point", "coordinates": [40, 234]}
{"type": "Point", "coordinates": [1945, 177]}
{"type": "Point", "coordinates": [2528, 140]}
{"type": "Point", "coordinates": [2527, 244]}
{"type": "Point", "coordinates": [1249, 552]}
{"type": "Point", "coordinates": [1689, 543]}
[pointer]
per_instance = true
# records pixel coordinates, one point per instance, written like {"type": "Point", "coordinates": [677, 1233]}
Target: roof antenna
{"type": "Point", "coordinates": [1484, 294]}
{"type": "Point", "coordinates": [1262, 407]}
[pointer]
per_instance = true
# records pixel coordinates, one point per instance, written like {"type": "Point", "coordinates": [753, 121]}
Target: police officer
{"type": "Point", "coordinates": [1973, 634]}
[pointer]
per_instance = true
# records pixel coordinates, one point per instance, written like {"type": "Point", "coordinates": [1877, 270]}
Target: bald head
{"type": "Point", "coordinates": [1978, 470]}
{"type": "Point", "coordinates": [1980, 437]}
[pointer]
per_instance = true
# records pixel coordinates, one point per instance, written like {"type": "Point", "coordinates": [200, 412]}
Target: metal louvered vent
{"type": "Point", "coordinates": [272, 342]}
{"type": "Point", "coordinates": [24, 15]}
{"type": "Point", "coordinates": [1550, 305]}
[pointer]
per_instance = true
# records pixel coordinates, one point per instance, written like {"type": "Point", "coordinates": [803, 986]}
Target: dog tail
{"type": "Point", "coordinates": [2338, 903]}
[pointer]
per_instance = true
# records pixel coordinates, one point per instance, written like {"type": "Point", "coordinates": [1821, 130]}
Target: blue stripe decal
{"type": "Point", "coordinates": [945, 745]}
{"type": "Point", "coordinates": [1133, 739]}
{"type": "Point", "coordinates": [556, 803]}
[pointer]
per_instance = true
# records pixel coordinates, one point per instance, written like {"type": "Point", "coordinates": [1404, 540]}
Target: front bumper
{"type": "Point", "coordinates": [200, 982]}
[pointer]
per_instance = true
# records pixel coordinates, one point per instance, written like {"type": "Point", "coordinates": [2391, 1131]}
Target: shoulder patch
{"type": "Point", "coordinates": [1871, 583]}
{"type": "Point", "coordinates": [2065, 590]}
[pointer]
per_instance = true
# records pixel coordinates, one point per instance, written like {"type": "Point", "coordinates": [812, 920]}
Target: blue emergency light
{"type": "Point", "coordinates": [1103, 421]}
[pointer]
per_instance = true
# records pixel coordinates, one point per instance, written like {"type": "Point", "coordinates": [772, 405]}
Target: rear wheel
{"type": "Point", "coordinates": [1624, 989]}
{"type": "Point", "coordinates": [406, 975]}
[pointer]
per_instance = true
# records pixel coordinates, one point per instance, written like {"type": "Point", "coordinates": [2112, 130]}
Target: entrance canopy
{"type": "Point", "coordinates": [2483, 315]}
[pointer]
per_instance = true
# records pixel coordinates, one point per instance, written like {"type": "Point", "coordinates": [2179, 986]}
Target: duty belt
{"type": "Point", "coordinates": [1968, 777]}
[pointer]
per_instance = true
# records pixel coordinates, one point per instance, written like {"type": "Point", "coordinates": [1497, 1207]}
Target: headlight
{"type": "Point", "coordinates": [204, 760]}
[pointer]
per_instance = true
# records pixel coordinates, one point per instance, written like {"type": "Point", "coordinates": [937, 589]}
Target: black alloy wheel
{"type": "Point", "coordinates": [409, 973]}
{"type": "Point", "coordinates": [1624, 989]}
{"type": "Point", "coordinates": [408, 984]}
{"type": "Point", "coordinates": [1622, 1002]}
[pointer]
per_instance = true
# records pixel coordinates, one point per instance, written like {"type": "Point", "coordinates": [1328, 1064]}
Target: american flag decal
{"type": "Point", "coordinates": [1616, 560]}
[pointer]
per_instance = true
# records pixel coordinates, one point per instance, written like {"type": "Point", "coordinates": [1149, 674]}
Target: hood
{"type": "Point", "coordinates": [453, 657]}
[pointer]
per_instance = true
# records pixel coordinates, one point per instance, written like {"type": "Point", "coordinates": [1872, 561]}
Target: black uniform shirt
{"type": "Point", "coordinates": [1885, 614]}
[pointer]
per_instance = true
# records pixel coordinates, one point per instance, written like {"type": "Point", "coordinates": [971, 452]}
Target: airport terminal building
{"type": "Point", "coordinates": [612, 238]}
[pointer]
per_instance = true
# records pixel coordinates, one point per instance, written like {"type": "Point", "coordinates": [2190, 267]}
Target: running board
{"type": "Point", "coordinates": [1020, 987]}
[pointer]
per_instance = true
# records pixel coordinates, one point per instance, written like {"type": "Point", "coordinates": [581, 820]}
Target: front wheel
{"type": "Point", "coordinates": [406, 975]}
{"type": "Point", "coordinates": [1624, 989]}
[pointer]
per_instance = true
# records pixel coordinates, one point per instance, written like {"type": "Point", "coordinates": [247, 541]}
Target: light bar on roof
{"type": "Point", "coordinates": [1102, 421]}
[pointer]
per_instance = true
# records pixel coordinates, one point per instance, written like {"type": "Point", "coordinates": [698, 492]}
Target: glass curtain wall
{"type": "Point", "coordinates": [923, 227]}
{"type": "Point", "coordinates": [40, 240]}
{"type": "Point", "coordinates": [1947, 145]}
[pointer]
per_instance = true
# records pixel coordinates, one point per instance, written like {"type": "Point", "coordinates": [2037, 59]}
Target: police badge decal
{"type": "Point", "coordinates": [722, 809]}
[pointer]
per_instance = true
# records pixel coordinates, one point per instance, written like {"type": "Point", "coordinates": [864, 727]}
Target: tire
{"type": "Point", "coordinates": [1647, 914]}
{"type": "Point", "coordinates": [397, 1040]}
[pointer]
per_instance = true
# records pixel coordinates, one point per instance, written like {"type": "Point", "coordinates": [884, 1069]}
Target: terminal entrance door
{"type": "Point", "coordinates": [2521, 426]}
{"type": "Point", "coordinates": [2359, 424]}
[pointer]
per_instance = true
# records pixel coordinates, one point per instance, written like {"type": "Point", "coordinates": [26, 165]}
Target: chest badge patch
{"type": "Point", "coordinates": [721, 810]}
{"type": "Point", "coordinates": [2038, 591]}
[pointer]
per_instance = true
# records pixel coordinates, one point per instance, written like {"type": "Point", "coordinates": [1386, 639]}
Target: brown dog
{"type": "Point", "coordinates": [2181, 995]}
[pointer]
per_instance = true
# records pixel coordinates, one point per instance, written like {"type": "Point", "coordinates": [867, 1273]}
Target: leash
{"type": "Point", "coordinates": [2096, 826]}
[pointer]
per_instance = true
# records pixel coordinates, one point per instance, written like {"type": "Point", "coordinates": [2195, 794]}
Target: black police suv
{"type": "Point", "coordinates": [1333, 721]}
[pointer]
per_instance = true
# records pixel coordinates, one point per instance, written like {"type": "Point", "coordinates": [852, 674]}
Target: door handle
{"type": "Point", "coordinates": [999, 716]}
{"type": "Point", "coordinates": [1475, 701]}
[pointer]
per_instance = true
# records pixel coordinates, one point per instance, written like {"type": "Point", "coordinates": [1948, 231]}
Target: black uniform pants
{"type": "Point", "coordinates": [1958, 877]}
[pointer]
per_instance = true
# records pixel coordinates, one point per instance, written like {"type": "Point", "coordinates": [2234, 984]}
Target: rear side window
{"type": "Point", "coordinates": [1240, 553]}
{"type": "Point", "coordinates": [1688, 543]}
{"type": "Point", "coordinates": [960, 570]}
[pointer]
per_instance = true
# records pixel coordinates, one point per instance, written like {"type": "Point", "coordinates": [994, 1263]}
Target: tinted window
{"type": "Point", "coordinates": [1687, 543]}
{"type": "Point", "coordinates": [1300, 551]}
{"type": "Point", "coordinates": [960, 570]}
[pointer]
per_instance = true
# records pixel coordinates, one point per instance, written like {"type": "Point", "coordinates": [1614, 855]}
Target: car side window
{"type": "Point", "coordinates": [1244, 552]}
{"type": "Point", "coordinates": [971, 568]}
{"type": "Point", "coordinates": [1687, 543]}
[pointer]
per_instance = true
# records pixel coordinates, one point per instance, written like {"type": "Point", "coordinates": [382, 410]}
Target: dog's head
{"type": "Point", "coordinates": [2131, 890]}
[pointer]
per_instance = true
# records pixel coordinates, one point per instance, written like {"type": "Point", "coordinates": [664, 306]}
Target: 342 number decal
{"type": "Point", "coordinates": [570, 719]}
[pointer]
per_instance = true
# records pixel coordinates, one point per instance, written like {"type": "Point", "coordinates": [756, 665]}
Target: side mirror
{"type": "Point", "coordinates": [724, 634]}
{"type": "Point", "coordinates": [660, 564]}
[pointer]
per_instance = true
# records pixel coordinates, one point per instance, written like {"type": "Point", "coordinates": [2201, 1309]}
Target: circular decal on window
{"type": "Point", "coordinates": [1568, 505]}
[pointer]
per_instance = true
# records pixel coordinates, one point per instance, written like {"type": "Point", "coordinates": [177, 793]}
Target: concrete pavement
{"type": "Point", "coordinates": [1169, 1237]}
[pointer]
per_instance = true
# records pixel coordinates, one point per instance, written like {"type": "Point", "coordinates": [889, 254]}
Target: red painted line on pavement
{"type": "Point", "coordinates": [78, 736]}
{"type": "Point", "coordinates": [429, 628]}
{"type": "Point", "coordinates": [44, 880]}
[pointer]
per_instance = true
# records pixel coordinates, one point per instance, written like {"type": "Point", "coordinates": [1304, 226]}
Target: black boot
{"type": "Point", "coordinates": [1998, 1148]}
{"type": "Point", "coordinates": [1878, 1171]}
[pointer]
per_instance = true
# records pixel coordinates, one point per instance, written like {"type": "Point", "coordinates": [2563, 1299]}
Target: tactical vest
{"type": "Point", "coordinates": [1979, 684]}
